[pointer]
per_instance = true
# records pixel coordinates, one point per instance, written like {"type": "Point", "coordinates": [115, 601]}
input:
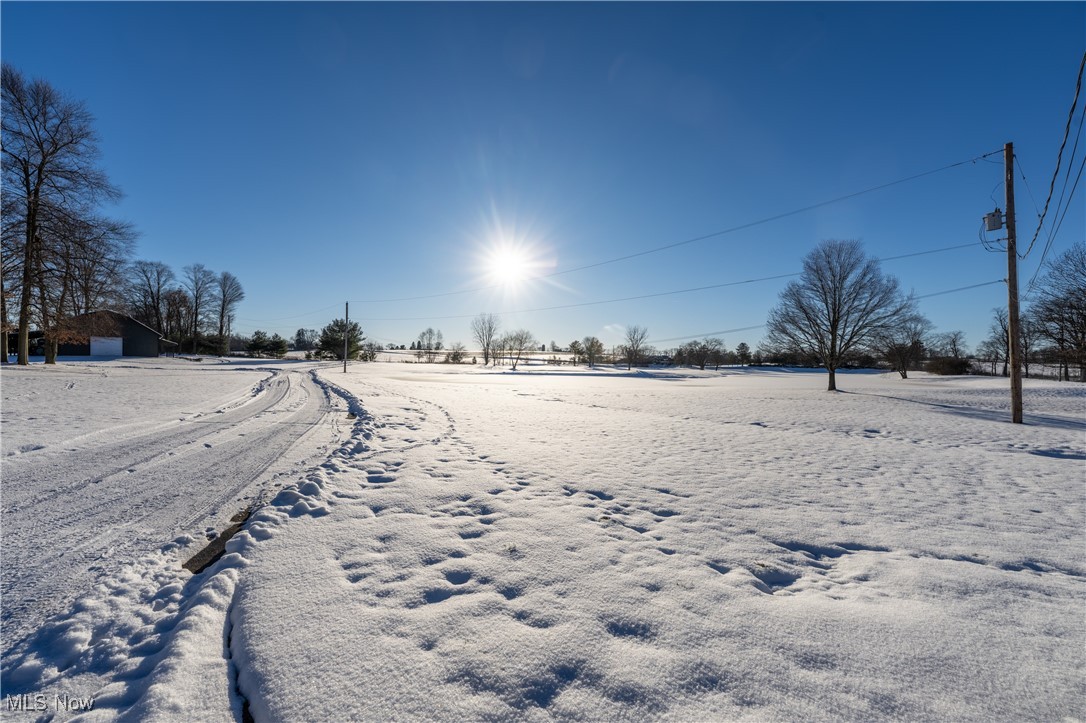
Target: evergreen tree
{"type": "Point", "coordinates": [276, 347]}
{"type": "Point", "coordinates": [258, 343]}
{"type": "Point", "coordinates": [331, 340]}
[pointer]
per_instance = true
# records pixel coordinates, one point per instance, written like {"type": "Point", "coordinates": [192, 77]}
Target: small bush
{"type": "Point", "coordinates": [948, 366]}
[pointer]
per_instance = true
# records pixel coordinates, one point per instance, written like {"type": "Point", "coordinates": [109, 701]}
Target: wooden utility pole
{"type": "Point", "coordinates": [347, 334]}
{"type": "Point", "coordinates": [1014, 341]}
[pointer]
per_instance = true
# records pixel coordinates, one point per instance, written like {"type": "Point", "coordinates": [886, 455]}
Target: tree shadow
{"type": "Point", "coordinates": [988, 415]}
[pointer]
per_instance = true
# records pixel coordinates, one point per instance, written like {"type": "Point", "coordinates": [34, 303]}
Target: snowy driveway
{"type": "Point", "coordinates": [139, 474]}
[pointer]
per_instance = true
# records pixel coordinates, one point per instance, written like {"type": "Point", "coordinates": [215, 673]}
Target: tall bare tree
{"type": "Point", "coordinates": [951, 344]}
{"type": "Point", "coordinates": [484, 328]}
{"type": "Point", "coordinates": [11, 254]}
{"type": "Point", "coordinates": [1060, 310]}
{"type": "Point", "coordinates": [49, 150]}
{"type": "Point", "coordinates": [429, 344]}
{"type": "Point", "coordinates": [635, 344]}
{"type": "Point", "coordinates": [518, 343]}
{"type": "Point", "coordinates": [78, 271]}
{"type": "Point", "coordinates": [227, 294]}
{"type": "Point", "coordinates": [98, 264]}
{"type": "Point", "coordinates": [999, 333]}
{"type": "Point", "coordinates": [199, 282]}
{"type": "Point", "coordinates": [841, 300]}
{"type": "Point", "coordinates": [148, 283]}
{"type": "Point", "coordinates": [177, 314]}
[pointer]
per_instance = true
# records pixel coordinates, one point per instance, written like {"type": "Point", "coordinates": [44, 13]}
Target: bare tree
{"type": "Point", "coordinates": [429, 344]}
{"type": "Point", "coordinates": [97, 256]}
{"type": "Point", "coordinates": [200, 284]}
{"type": "Point", "coordinates": [999, 334]}
{"type": "Point", "coordinates": [947, 353]}
{"type": "Point", "coordinates": [519, 342]}
{"type": "Point", "coordinates": [305, 339]}
{"type": "Point", "coordinates": [484, 328]}
{"type": "Point", "coordinates": [635, 344]}
{"type": "Point", "coordinates": [717, 353]}
{"type": "Point", "coordinates": [902, 342]}
{"type": "Point", "coordinates": [455, 354]}
{"type": "Point", "coordinates": [699, 352]}
{"type": "Point", "coordinates": [148, 283]}
{"type": "Point", "coordinates": [12, 239]}
{"type": "Point", "coordinates": [990, 350]}
{"type": "Point", "coordinates": [1029, 335]}
{"type": "Point", "coordinates": [177, 314]}
{"type": "Point", "coordinates": [841, 300]}
{"type": "Point", "coordinates": [79, 271]}
{"type": "Point", "coordinates": [227, 294]}
{"type": "Point", "coordinates": [1060, 310]}
{"type": "Point", "coordinates": [499, 345]}
{"type": "Point", "coordinates": [951, 344]}
{"type": "Point", "coordinates": [49, 148]}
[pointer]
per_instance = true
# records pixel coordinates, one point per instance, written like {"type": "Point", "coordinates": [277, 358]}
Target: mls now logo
{"type": "Point", "coordinates": [38, 702]}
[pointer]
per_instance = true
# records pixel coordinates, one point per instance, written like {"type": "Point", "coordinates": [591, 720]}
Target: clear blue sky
{"type": "Point", "coordinates": [366, 151]}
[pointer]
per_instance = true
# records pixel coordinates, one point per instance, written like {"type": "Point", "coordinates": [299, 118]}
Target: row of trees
{"type": "Point", "coordinates": [1058, 313]}
{"type": "Point", "coordinates": [260, 344]}
{"type": "Point", "coordinates": [499, 348]}
{"type": "Point", "coordinates": [844, 310]}
{"type": "Point", "coordinates": [197, 310]}
{"type": "Point", "coordinates": [1052, 328]}
{"type": "Point", "coordinates": [63, 258]}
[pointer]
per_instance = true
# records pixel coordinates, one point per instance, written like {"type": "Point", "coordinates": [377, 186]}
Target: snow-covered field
{"type": "Point", "coordinates": [599, 544]}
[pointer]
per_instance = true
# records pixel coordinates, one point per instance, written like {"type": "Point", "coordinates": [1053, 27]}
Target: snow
{"type": "Point", "coordinates": [565, 542]}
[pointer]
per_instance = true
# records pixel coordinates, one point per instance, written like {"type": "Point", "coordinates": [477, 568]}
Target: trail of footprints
{"type": "Point", "coordinates": [787, 567]}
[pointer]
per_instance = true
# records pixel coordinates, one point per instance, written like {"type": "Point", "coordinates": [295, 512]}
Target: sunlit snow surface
{"type": "Point", "coordinates": [609, 545]}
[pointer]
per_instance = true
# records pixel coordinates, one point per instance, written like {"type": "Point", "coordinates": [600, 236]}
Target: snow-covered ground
{"type": "Point", "coordinates": [575, 543]}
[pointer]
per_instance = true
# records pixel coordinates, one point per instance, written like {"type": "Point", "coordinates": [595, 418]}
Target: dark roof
{"type": "Point", "coordinates": [126, 316]}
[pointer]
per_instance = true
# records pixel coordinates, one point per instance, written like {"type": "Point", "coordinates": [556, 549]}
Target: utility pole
{"type": "Point", "coordinates": [347, 334]}
{"type": "Point", "coordinates": [1014, 340]}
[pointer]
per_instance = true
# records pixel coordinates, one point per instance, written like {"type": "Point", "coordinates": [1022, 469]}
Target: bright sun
{"type": "Point", "coordinates": [508, 266]}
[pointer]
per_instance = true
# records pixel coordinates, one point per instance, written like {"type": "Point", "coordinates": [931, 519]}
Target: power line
{"type": "Point", "coordinates": [1022, 175]}
{"type": "Point", "coordinates": [961, 288]}
{"type": "Point", "coordinates": [932, 251]}
{"type": "Point", "coordinates": [1056, 227]}
{"type": "Point", "coordinates": [1059, 155]}
{"type": "Point", "coordinates": [295, 316]}
{"type": "Point", "coordinates": [759, 326]}
{"type": "Point", "coordinates": [707, 334]}
{"type": "Point", "coordinates": [1059, 223]}
{"type": "Point", "coordinates": [703, 237]}
{"type": "Point", "coordinates": [1048, 246]}
{"type": "Point", "coordinates": [589, 303]}
{"type": "Point", "coordinates": [1070, 164]}
{"type": "Point", "coordinates": [650, 296]}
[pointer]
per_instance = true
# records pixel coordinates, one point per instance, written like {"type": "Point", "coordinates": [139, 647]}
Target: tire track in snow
{"type": "Point", "coordinates": [153, 444]}
{"type": "Point", "coordinates": [83, 528]}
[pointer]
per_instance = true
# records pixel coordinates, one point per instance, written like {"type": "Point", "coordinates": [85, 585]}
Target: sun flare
{"type": "Point", "coordinates": [508, 266]}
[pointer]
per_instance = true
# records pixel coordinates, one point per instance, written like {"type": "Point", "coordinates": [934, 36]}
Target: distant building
{"type": "Point", "coordinates": [111, 333]}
